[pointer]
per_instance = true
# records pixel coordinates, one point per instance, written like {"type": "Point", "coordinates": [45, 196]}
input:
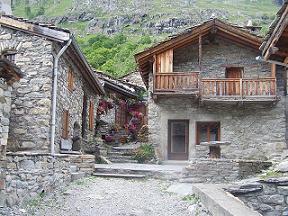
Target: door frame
{"type": "Point", "coordinates": [178, 156]}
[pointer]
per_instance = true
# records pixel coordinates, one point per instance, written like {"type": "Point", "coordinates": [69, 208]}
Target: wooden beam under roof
{"type": "Point", "coordinates": [52, 34]}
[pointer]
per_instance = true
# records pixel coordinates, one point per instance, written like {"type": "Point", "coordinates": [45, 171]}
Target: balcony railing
{"type": "Point", "coordinates": [176, 81]}
{"type": "Point", "coordinates": [243, 88]}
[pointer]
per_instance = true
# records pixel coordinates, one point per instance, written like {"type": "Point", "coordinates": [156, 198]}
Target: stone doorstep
{"type": "Point", "coordinates": [221, 203]}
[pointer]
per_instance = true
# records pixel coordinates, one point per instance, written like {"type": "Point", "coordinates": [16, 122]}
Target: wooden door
{"type": "Point", "coordinates": [178, 140]}
{"type": "Point", "coordinates": [234, 74]}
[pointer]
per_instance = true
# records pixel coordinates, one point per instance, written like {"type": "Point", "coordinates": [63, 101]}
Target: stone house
{"type": "Point", "coordinates": [117, 93]}
{"type": "Point", "coordinates": [210, 98]}
{"type": "Point", "coordinates": [54, 104]}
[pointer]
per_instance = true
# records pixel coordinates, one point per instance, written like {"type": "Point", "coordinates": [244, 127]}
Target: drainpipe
{"type": "Point", "coordinates": [54, 93]}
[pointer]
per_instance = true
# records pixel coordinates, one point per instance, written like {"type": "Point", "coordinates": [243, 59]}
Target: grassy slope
{"type": "Point", "coordinates": [238, 11]}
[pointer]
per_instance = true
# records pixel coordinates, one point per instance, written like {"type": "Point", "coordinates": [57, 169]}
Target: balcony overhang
{"type": "Point", "coordinates": [240, 101]}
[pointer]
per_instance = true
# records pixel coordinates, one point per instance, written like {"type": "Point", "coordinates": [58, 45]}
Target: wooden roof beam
{"type": "Point", "coordinates": [52, 34]}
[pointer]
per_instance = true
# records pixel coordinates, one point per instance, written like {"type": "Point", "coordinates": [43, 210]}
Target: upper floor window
{"type": "Point", "coordinates": [70, 80]}
{"type": "Point", "coordinates": [10, 55]}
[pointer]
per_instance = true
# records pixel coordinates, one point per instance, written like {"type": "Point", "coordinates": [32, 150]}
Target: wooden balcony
{"type": "Point", "coordinates": [176, 82]}
{"type": "Point", "coordinates": [251, 90]}
{"type": "Point", "coordinates": [216, 90]}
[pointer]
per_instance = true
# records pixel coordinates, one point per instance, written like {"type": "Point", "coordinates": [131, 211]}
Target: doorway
{"type": "Point", "coordinates": [233, 85]}
{"type": "Point", "coordinates": [178, 139]}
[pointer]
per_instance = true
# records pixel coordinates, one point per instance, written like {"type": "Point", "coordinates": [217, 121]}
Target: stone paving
{"type": "Point", "coordinates": [109, 197]}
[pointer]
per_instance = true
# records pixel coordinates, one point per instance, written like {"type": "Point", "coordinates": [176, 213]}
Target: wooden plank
{"type": "Point", "coordinates": [52, 34]}
{"type": "Point", "coordinates": [273, 70]}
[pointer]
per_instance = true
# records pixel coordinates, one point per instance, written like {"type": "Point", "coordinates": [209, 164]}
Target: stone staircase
{"type": "Point", "coordinates": [121, 154]}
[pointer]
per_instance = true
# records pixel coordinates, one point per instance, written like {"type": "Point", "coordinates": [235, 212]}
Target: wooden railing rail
{"type": "Point", "coordinates": [176, 81]}
{"type": "Point", "coordinates": [238, 87]}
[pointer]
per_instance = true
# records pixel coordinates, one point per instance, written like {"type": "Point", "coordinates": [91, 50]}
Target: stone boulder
{"type": "Point", "coordinates": [282, 167]}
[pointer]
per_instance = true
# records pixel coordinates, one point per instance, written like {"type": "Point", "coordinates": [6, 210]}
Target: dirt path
{"type": "Point", "coordinates": [109, 197]}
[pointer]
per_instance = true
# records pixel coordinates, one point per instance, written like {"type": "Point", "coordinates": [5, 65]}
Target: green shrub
{"type": "Point", "coordinates": [144, 153]}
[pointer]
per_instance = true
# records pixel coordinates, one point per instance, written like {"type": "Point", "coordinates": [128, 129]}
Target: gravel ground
{"type": "Point", "coordinates": [109, 197]}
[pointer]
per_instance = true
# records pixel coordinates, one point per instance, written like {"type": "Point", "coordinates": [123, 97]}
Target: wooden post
{"type": "Point", "coordinates": [154, 71]}
{"type": "Point", "coordinates": [273, 70]}
{"type": "Point", "coordinates": [241, 88]}
{"type": "Point", "coordinates": [200, 52]}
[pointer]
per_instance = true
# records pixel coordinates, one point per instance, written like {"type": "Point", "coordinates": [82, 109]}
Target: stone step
{"type": "Point", "coordinates": [116, 154]}
{"type": "Point", "coordinates": [219, 202]}
{"type": "Point", "coordinates": [116, 175]}
{"type": "Point", "coordinates": [77, 175]}
{"type": "Point", "coordinates": [166, 172]}
{"type": "Point", "coordinates": [122, 160]}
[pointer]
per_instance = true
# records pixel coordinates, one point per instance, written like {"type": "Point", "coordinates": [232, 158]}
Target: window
{"type": "Point", "coordinates": [70, 80]}
{"type": "Point", "coordinates": [91, 115]}
{"type": "Point", "coordinates": [208, 131]}
{"type": "Point", "coordinates": [65, 129]}
{"type": "Point", "coordinates": [10, 55]}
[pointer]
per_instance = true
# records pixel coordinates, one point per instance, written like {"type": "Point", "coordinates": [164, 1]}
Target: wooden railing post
{"type": "Point", "coordinates": [241, 89]}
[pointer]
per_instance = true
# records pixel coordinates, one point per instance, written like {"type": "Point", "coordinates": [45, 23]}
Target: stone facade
{"type": "Point", "coordinates": [30, 114]}
{"type": "Point", "coordinates": [5, 106]}
{"type": "Point", "coordinates": [250, 129]}
{"type": "Point", "coordinates": [73, 102]}
{"type": "Point", "coordinates": [31, 97]}
{"type": "Point", "coordinates": [217, 56]}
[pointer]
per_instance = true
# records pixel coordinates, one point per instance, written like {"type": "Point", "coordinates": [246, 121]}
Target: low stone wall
{"type": "Point", "coordinates": [29, 174]}
{"type": "Point", "coordinates": [221, 170]}
{"type": "Point", "coordinates": [268, 197]}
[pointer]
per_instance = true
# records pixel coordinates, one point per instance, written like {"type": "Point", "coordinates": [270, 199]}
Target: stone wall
{"type": "Point", "coordinates": [5, 107]}
{"type": "Point", "coordinates": [31, 96]}
{"type": "Point", "coordinates": [73, 102]}
{"type": "Point", "coordinates": [269, 197]}
{"type": "Point", "coordinates": [221, 170]}
{"type": "Point", "coordinates": [217, 56]}
{"type": "Point", "coordinates": [30, 174]}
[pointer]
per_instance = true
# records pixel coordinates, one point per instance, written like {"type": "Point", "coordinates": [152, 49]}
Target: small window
{"type": "Point", "coordinates": [70, 80]}
{"type": "Point", "coordinates": [10, 55]}
{"type": "Point", "coordinates": [65, 129]}
{"type": "Point", "coordinates": [208, 131]}
{"type": "Point", "coordinates": [91, 115]}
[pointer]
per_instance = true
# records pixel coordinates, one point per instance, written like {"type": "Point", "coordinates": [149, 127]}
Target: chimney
{"type": "Point", "coordinates": [5, 7]}
{"type": "Point", "coordinates": [252, 28]}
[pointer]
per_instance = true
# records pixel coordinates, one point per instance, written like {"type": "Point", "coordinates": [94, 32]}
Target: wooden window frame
{"type": "Point", "coordinates": [91, 115]}
{"type": "Point", "coordinates": [65, 126]}
{"type": "Point", "coordinates": [70, 80]}
{"type": "Point", "coordinates": [198, 124]}
{"type": "Point", "coordinates": [10, 55]}
{"type": "Point", "coordinates": [229, 67]}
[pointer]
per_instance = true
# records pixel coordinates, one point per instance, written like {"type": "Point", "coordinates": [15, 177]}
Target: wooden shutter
{"type": "Point", "coordinates": [70, 80]}
{"type": "Point", "coordinates": [91, 115]}
{"type": "Point", "coordinates": [65, 129]}
{"type": "Point", "coordinates": [165, 62]}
